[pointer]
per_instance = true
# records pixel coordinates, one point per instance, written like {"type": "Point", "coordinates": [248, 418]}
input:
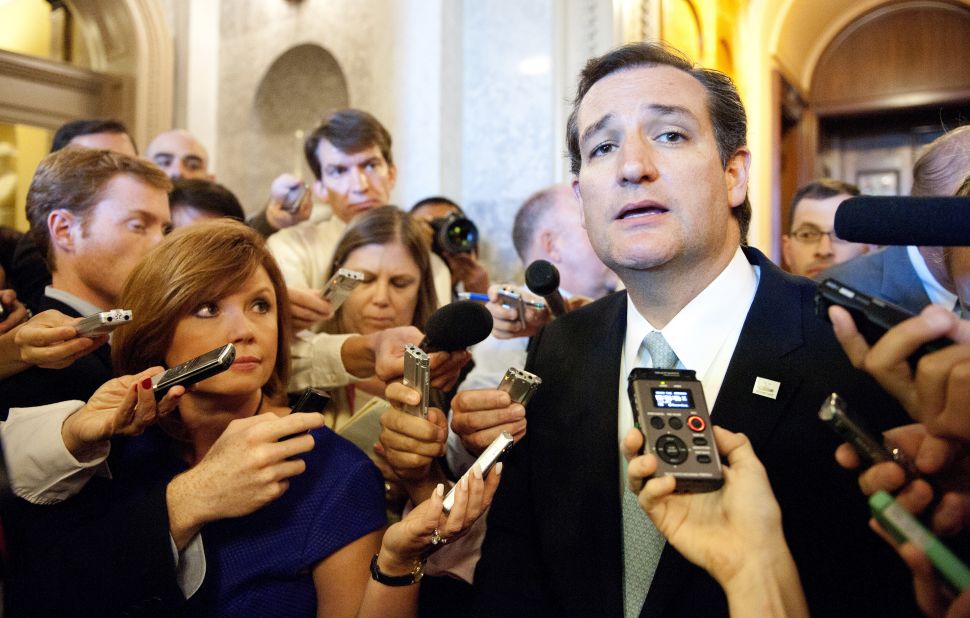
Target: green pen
{"type": "Point", "coordinates": [903, 527]}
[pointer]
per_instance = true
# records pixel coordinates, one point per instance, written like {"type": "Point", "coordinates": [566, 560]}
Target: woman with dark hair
{"type": "Point", "coordinates": [388, 246]}
{"type": "Point", "coordinates": [307, 549]}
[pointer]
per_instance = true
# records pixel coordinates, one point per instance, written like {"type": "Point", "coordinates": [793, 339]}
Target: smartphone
{"type": "Point", "coordinates": [194, 370]}
{"type": "Point", "coordinates": [340, 286]}
{"type": "Point", "coordinates": [311, 400]}
{"type": "Point", "coordinates": [670, 409]}
{"type": "Point", "coordinates": [510, 299]}
{"type": "Point", "coordinates": [418, 377]}
{"type": "Point", "coordinates": [902, 526]}
{"type": "Point", "coordinates": [102, 323]}
{"type": "Point", "coordinates": [872, 316]}
{"type": "Point", "coordinates": [489, 457]}
{"type": "Point", "coordinates": [520, 384]}
{"type": "Point", "coordinates": [291, 203]}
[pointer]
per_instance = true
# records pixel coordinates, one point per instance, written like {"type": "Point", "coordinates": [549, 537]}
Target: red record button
{"type": "Point", "coordinates": [696, 423]}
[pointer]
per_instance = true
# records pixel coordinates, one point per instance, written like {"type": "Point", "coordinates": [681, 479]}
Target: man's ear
{"type": "Point", "coordinates": [786, 249]}
{"type": "Point", "coordinates": [549, 245]}
{"type": "Point", "coordinates": [579, 202]}
{"type": "Point", "coordinates": [61, 224]}
{"type": "Point", "coordinates": [736, 176]}
{"type": "Point", "coordinates": [392, 176]}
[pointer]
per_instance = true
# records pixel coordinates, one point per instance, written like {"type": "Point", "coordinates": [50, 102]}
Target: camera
{"type": "Point", "coordinates": [455, 233]}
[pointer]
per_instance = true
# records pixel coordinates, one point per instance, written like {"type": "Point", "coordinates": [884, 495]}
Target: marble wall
{"type": "Point", "coordinates": [475, 94]}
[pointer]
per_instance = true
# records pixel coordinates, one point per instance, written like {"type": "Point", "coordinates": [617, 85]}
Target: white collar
{"type": "Point", "coordinates": [698, 331]}
{"type": "Point", "coordinates": [80, 305]}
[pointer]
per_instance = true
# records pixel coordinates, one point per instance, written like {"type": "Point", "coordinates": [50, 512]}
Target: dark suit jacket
{"type": "Point", "coordinates": [104, 552]}
{"type": "Point", "coordinates": [37, 386]}
{"type": "Point", "coordinates": [886, 273]}
{"type": "Point", "coordinates": [554, 542]}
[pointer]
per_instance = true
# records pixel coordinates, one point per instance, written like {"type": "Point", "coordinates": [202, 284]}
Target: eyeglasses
{"type": "Point", "coordinates": [812, 235]}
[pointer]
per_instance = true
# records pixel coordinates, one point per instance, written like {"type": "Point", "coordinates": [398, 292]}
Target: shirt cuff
{"type": "Point", "coordinates": [189, 565]}
{"type": "Point", "coordinates": [42, 470]}
{"type": "Point", "coordinates": [317, 361]}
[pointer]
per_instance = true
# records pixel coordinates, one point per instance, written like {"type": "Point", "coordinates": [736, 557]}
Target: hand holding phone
{"type": "Point", "coordinates": [294, 198]}
{"type": "Point", "coordinates": [872, 316]}
{"type": "Point", "coordinates": [485, 462]}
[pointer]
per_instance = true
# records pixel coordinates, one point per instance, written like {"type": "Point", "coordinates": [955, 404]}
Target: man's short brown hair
{"type": "Point", "coordinates": [74, 179]}
{"type": "Point", "coordinates": [350, 131]}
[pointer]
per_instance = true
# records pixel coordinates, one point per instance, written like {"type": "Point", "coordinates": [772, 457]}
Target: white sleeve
{"type": "Point", "coordinates": [40, 467]}
{"type": "Point", "coordinates": [291, 254]}
{"type": "Point", "coordinates": [317, 362]}
{"type": "Point", "coordinates": [189, 565]}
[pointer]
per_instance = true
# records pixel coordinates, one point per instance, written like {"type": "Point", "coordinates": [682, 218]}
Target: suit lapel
{"type": "Point", "coordinates": [771, 331]}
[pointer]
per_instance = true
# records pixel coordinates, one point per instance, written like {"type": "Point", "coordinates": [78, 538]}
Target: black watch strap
{"type": "Point", "coordinates": [396, 580]}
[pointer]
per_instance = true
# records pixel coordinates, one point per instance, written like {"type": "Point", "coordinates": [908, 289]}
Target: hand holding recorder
{"type": "Point", "coordinates": [515, 312]}
{"type": "Point", "coordinates": [307, 307]}
{"type": "Point", "coordinates": [734, 533]}
{"type": "Point", "coordinates": [50, 340]}
{"type": "Point", "coordinates": [124, 406]}
{"type": "Point", "coordinates": [290, 202]}
{"type": "Point", "coordinates": [410, 442]}
{"type": "Point", "coordinates": [478, 417]}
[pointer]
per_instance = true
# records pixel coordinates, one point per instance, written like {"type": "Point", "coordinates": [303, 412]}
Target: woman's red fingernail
{"type": "Point", "coordinates": [146, 383]}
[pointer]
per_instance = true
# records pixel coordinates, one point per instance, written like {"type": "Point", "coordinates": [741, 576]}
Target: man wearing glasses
{"type": "Point", "coordinates": [811, 246]}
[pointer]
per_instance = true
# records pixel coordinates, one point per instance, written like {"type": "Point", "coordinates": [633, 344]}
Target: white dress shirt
{"type": "Point", "coordinates": [703, 334]}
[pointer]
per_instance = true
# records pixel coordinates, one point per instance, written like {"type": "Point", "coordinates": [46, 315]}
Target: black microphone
{"type": "Point", "coordinates": [543, 279]}
{"type": "Point", "coordinates": [456, 326]}
{"type": "Point", "coordinates": [894, 220]}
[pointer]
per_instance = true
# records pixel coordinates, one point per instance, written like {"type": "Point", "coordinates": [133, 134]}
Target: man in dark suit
{"type": "Point", "coordinates": [95, 214]}
{"type": "Point", "coordinates": [661, 171]}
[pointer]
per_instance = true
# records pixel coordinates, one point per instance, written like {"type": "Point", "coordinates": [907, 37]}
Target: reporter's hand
{"type": "Point", "coordinates": [123, 406]}
{"type": "Point", "coordinates": [275, 215]}
{"type": "Point", "coordinates": [938, 393]}
{"type": "Point", "coordinates": [479, 416]}
{"type": "Point", "coordinates": [307, 307]}
{"type": "Point", "coordinates": [946, 462]}
{"type": "Point", "coordinates": [50, 340]}
{"type": "Point", "coordinates": [410, 443]}
{"type": "Point", "coordinates": [932, 595]}
{"type": "Point", "coordinates": [721, 530]}
{"type": "Point", "coordinates": [505, 322]}
{"type": "Point", "coordinates": [410, 538]}
{"type": "Point", "coordinates": [466, 268]}
{"type": "Point", "coordinates": [246, 468]}
{"type": "Point", "coordinates": [16, 311]}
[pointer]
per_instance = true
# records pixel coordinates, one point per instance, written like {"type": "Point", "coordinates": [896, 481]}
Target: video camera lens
{"type": "Point", "coordinates": [454, 234]}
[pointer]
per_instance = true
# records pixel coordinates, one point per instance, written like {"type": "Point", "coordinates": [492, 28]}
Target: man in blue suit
{"type": "Point", "coordinates": [913, 277]}
{"type": "Point", "coordinates": [660, 168]}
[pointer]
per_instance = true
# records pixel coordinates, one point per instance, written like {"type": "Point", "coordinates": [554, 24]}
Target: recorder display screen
{"type": "Point", "coordinates": [673, 398]}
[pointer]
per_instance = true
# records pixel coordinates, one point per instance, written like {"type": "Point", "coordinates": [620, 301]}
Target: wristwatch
{"type": "Point", "coordinates": [397, 580]}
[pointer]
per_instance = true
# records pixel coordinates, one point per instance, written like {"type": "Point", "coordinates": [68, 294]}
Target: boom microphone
{"type": "Point", "coordinates": [543, 279]}
{"type": "Point", "coordinates": [456, 326]}
{"type": "Point", "coordinates": [922, 221]}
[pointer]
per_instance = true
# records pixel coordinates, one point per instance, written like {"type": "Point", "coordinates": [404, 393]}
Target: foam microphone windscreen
{"type": "Point", "coordinates": [542, 278]}
{"type": "Point", "coordinates": [922, 221]}
{"type": "Point", "coordinates": [456, 326]}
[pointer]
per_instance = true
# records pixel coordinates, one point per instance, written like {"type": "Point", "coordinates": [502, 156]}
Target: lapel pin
{"type": "Point", "coordinates": [766, 388]}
